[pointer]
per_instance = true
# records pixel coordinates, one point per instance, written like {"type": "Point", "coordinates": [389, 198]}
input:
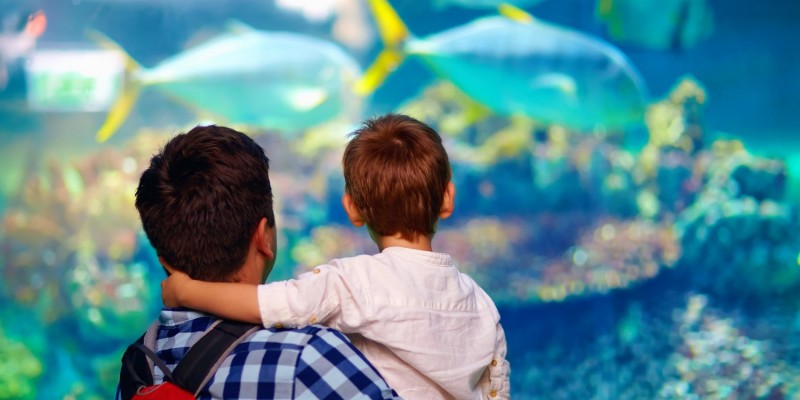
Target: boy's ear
{"type": "Point", "coordinates": [263, 239]}
{"type": "Point", "coordinates": [352, 211]}
{"type": "Point", "coordinates": [448, 201]}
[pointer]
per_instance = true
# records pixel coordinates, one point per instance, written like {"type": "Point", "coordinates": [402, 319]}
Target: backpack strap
{"type": "Point", "coordinates": [137, 364]}
{"type": "Point", "coordinates": [205, 356]}
{"type": "Point", "coordinates": [196, 367]}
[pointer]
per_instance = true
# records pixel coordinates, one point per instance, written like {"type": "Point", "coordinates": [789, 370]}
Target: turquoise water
{"type": "Point", "coordinates": [653, 259]}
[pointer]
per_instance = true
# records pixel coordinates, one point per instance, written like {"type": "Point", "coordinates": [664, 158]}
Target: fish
{"type": "Point", "coordinates": [16, 43]}
{"type": "Point", "coordinates": [515, 64]}
{"type": "Point", "coordinates": [484, 4]}
{"type": "Point", "coordinates": [274, 80]}
{"type": "Point", "coordinates": [657, 24]}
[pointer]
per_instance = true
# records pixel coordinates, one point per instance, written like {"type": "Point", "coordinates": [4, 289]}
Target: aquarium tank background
{"type": "Point", "coordinates": [626, 171]}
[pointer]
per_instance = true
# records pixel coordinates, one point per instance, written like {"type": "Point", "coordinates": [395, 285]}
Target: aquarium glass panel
{"type": "Point", "coordinates": [627, 173]}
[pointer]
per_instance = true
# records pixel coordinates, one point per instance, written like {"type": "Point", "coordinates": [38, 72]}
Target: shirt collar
{"type": "Point", "coordinates": [178, 316]}
{"type": "Point", "coordinates": [420, 256]}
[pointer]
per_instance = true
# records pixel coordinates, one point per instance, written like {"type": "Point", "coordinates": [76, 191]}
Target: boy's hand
{"type": "Point", "coordinates": [172, 286]}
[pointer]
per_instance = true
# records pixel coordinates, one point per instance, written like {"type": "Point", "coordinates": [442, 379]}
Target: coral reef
{"type": "Point", "coordinates": [75, 259]}
{"type": "Point", "coordinates": [715, 359]}
{"type": "Point", "coordinates": [545, 217]}
{"type": "Point", "coordinates": [671, 346]}
{"type": "Point", "coordinates": [71, 236]}
{"type": "Point", "coordinates": [19, 369]}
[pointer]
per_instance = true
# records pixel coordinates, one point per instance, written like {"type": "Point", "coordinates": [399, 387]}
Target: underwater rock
{"type": "Point", "coordinates": [761, 179]}
{"type": "Point", "coordinates": [610, 254]}
{"type": "Point", "coordinates": [739, 237]}
{"type": "Point", "coordinates": [561, 260]}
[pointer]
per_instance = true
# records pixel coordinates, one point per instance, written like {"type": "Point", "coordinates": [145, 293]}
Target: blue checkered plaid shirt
{"type": "Point", "coordinates": [308, 363]}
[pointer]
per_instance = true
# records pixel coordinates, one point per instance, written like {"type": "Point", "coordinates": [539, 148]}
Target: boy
{"type": "Point", "coordinates": [431, 331]}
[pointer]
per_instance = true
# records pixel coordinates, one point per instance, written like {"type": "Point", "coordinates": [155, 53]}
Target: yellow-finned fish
{"type": "Point", "coordinates": [515, 64]}
{"type": "Point", "coordinates": [278, 80]}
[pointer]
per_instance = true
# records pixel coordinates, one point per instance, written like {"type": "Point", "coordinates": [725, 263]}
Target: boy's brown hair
{"type": "Point", "coordinates": [396, 170]}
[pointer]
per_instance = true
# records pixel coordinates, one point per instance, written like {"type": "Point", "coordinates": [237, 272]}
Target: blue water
{"type": "Point", "coordinates": [602, 295]}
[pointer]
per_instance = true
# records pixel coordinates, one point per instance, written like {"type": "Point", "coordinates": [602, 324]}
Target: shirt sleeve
{"type": "Point", "coordinates": [330, 367]}
{"type": "Point", "coordinates": [326, 295]}
{"type": "Point", "coordinates": [499, 386]}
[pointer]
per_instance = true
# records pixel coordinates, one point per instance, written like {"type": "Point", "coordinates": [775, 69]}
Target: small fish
{"type": "Point", "coordinates": [16, 43]}
{"type": "Point", "coordinates": [657, 24]}
{"type": "Point", "coordinates": [484, 4]}
{"type": "Point", "coordinates": [517, 65]}
{"type": "Point", "coordinates": [274, 80]}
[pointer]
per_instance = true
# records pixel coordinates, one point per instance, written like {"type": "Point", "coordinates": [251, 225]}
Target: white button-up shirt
{"type": "Point", "coordinates": [430, 330]}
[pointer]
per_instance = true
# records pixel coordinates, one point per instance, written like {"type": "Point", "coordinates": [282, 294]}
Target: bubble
{"type": "Point", "coordinates": [49, 257]}
{"type": "Point", "coordinates": [94, 316]}
{"type": "Point", "coordinates": [128, 165]}
{"type": "Point", "coordinates": [608, 232]}
{"type": "Point", "coordinates": [126, 290]}
{"type": "Point", "coordinates": [579, 257]}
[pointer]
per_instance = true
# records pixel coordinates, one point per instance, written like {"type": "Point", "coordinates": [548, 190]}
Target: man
{"type": "Point", "coordinates": [206, 206]}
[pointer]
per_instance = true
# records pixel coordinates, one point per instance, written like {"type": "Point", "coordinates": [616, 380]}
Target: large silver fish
{"type": "Point", "coordinates": [277, 80]}
{"type": "Point", "coordinates": [517, 65]}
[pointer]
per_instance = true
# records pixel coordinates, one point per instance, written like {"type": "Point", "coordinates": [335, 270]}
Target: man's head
{"type": "Point", "coordinates": [206, 204]}
{"type": "Point", "coordinates": [397, 177]}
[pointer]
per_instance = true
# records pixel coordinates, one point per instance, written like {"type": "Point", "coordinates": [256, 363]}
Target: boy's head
{"type": "Point", "coordinates": [397, 175]}
{"type": "Point", "coordinates": [205, 200]}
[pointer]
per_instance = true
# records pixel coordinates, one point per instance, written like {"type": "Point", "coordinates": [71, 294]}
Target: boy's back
{"type": "Point", "coordinates": [398, 183]}
{"type": "Point", "coordinates": [431, 331]}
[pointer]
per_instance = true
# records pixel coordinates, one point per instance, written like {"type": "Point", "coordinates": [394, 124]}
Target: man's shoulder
{"type": "Point", "coordinates": [292, 338]}
{"type": "Point", "coordinates": [309, 362]}
{"type": "Point", "coordinates": [313, 361]}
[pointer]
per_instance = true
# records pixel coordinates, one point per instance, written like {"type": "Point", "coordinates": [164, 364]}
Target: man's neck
{"type": "Point", "coordinates": [253, 270]}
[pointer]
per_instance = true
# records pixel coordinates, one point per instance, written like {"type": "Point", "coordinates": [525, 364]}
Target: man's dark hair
{"type": "Point", "coordinates": [201, 200]}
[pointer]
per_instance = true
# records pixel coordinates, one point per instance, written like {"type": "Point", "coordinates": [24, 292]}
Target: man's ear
{"type": "Point", "coordinates": [263, 239]}
{"type": "Point", "coordinates": [448, 201]}
{"type": "Point", "coordinates": [352, 211]}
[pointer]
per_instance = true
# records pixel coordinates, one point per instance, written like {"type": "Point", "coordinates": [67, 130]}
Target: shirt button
{"type": "Point", "coordinates": [316, 270]}
{"type": "Point", "coordinates": [494, 363]}
{"type": "Point", "coordinates": [278, 325]}
{"type": "Point", "coordinates": [493, 393]}
{"type": "Point", "coordinates": [312, 320]}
